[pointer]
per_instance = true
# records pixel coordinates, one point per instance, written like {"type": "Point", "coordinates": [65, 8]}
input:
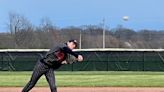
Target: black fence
{"type": "Point", "coordinates": [94, 60]}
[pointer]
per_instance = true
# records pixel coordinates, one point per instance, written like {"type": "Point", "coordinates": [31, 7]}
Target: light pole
{"type": "Point", "coordinates": [83, 28]}
{"type": "Point", "coordinates": [80, 41]}
{"type": "Point", "coordinates": [103, 33]}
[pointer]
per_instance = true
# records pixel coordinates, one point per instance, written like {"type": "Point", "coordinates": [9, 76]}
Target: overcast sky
{"type": "Point", "coordinates": [143, 14]}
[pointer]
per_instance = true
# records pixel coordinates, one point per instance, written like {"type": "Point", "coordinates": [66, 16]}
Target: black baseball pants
{"type": "Point", "coordinates": [39, 70]}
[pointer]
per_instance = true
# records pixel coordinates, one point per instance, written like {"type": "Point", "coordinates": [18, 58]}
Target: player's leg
{"type": "Point", "coordinates": [39, 70]}
{"type": "Point", "coordinates": [51, 79]}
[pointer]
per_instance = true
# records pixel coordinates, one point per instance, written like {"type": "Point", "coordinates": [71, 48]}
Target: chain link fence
{"type": "Point", "coordinates": [94, 60]}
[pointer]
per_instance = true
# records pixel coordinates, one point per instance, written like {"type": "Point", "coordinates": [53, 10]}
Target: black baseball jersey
{"type": "Point", "coordinates": [55, 56]}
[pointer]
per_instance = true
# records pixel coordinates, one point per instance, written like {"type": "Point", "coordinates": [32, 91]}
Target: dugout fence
{"type": "Point", "coordinates": [94, 60]}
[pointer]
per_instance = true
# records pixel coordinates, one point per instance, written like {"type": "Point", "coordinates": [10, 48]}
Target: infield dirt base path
{"type": "Point", "coordinates": [87, 89]}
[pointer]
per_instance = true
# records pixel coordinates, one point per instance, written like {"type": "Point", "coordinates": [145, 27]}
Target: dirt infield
{"type": "Point", "coordinates": [87, 89]}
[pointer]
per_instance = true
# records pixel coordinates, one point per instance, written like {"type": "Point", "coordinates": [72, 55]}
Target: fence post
{"type": "Point", "coordinates": [143, 60]}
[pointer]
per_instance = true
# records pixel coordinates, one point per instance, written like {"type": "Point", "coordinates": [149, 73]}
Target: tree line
{"type": "Point", "coordinates": [24, 35]}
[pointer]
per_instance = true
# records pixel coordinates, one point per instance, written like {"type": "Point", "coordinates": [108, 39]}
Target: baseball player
{"type": "Point", "coordinates": [54, 58]}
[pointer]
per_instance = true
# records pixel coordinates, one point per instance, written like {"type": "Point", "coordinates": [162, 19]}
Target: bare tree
{"type": "Point", "coordinates": [22, 34]}
{"type": "Point", "coordinates": [18, 23]}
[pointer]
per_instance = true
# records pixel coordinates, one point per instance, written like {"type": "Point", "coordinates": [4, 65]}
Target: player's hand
{"type": "Point", "coordinates": [80, 58]}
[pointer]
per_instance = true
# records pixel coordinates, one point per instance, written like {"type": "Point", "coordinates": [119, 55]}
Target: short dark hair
{"type": "Point", "coordinates": [74, 41]}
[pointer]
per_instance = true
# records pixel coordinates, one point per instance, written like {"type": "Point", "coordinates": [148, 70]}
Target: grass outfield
{"type": "Point", "coordinates": [88, 79]}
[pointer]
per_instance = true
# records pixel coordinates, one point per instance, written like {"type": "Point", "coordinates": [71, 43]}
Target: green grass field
{"type": "Point", "coordinates": [88, 79]}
